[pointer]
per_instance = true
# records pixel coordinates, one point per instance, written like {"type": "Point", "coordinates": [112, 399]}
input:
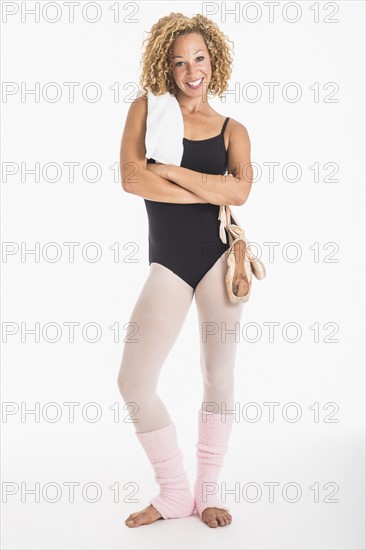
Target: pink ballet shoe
{"type": "Point", "coordinates": [251, 265]}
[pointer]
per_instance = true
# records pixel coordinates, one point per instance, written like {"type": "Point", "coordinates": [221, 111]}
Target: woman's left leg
{"type": "Point", "coordinates": [219, 329]}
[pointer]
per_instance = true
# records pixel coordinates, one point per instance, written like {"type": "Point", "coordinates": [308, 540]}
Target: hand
{"type": "Point", "coordinates": [159, 169]}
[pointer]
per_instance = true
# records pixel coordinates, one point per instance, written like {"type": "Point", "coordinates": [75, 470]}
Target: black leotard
{"type": "Point", "coordinates": [185, 237]}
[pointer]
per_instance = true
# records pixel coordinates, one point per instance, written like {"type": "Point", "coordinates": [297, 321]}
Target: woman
{"type": "Point", "coordinates": [188, 57]}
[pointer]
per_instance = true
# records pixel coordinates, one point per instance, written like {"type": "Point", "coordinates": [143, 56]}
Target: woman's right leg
{"type": "Point", "coordinates": [157, 319]}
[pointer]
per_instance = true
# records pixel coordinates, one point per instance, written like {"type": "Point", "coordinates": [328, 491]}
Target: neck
{"type": "Point", "coordinates": [192, 105]}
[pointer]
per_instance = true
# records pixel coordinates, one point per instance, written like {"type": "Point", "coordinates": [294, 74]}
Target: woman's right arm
{"type": "Point", "coordinates": [135, 177]}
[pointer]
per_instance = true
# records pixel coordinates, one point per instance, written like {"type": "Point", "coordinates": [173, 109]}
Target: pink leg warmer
{"type": "Point", "coordinates": [161, 447]}
{"type": "Point", "coordinates": [213, 436]}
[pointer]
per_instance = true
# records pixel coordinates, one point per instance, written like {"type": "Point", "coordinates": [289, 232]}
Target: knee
{"type": "Point", "coordinates": [218, 377]}
{"type": "Point", "coordinates": [133, 383]}
{"type": "Point", "coordinates": [125, 384]}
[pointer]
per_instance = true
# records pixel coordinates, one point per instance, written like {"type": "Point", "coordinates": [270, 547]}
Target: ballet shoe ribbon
{"type": "Point", "coordinates": [223, 222]}
{"type": "Point", "coordinates": [225, 215]}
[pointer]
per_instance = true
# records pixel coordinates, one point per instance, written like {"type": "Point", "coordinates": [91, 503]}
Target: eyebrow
{"type": "Point", "coordinates": [193, 54]}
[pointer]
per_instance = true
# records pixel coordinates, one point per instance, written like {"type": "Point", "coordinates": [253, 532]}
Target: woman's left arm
{"type": "Point", "coordinates": [217, 189]}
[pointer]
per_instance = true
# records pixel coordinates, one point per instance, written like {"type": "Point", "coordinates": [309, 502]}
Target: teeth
{"type": "Point", "coordinates": [196, 82]}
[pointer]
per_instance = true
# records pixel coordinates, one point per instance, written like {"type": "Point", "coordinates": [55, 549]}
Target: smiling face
{"type": "Point", "coordinates": [191, 64]}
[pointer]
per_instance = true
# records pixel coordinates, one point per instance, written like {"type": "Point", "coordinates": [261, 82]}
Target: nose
{"type": "Point", "coordinates": [189, 68]}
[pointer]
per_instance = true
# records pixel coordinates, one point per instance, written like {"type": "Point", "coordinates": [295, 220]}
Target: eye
{"type": "Point", "coordinates": [199, 58]}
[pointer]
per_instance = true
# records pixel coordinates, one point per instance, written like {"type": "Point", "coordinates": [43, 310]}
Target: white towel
{"type": "Point", "coordinates": [164, 129]}
{"type": "Point", "coordinates": [164, 140]}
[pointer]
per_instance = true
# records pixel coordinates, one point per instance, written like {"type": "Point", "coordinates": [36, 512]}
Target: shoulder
{"type": "Point", "coordinates": [139, 105]}
{"type": "Point", "coordinates": [136, 118]}
{"type": "Point", "coordinates": [236, 129]}
{"type": "Point", "coordinates": [237, 135]}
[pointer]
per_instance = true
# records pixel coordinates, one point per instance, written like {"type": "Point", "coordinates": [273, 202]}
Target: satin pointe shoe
{"type": "Point", "coordinates": [242, 266]}
{"type": "Point", "coordinates": [257, 267]}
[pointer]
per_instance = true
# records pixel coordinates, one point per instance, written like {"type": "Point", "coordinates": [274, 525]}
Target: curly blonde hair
{"type": "Point", "coordinates": [156, 73]}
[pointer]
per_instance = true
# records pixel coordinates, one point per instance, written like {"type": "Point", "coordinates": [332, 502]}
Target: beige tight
{"type": "Point", "coordinates": [159, 315]}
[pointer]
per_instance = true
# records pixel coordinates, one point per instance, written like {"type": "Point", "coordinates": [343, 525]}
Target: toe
{"type": "Point", "coordinates": [132, 516]}
{"type": "Point", "coordinates": [138, 521]}
{"type": "Point", "coordinates": [224, 518]}
{"type": "Point", "coordinates": [216, 516]}
{"type": "Point", "coordinates": [212, 523]}
{"type": "Point", "coordinates": [227, 517]}
{"type": "Point", "coordinates": [210, 517]}
{"type": "Point", "coordinates": [130, 523]}
{"type": "Point", "coordinates": [133, 519]}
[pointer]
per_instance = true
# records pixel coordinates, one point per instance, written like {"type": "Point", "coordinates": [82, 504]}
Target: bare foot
{"type": "Point", "coordinates": [216, 516]}
{"type": "Point", "coordinates": [145, 516]}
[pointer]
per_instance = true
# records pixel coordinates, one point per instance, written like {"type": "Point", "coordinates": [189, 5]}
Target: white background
{"type": "Point", "coordinates": [310, 292]}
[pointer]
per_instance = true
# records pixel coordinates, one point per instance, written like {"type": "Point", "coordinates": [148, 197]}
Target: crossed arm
{"type": "Point", "coordinates": [175, 184]}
